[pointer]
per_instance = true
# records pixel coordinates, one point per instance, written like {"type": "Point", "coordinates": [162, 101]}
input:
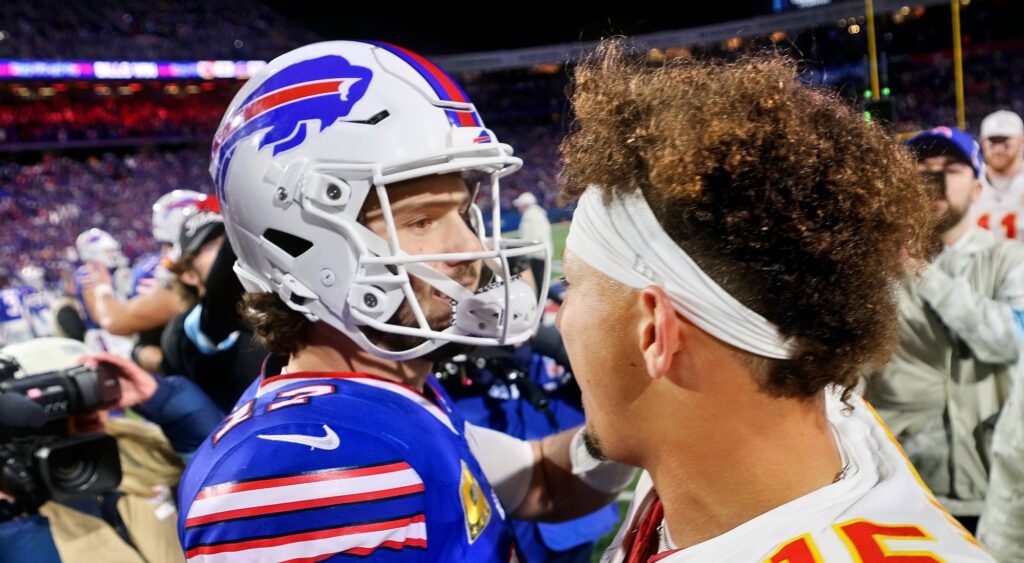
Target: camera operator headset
{"type": "Point", "coordinates": [99, 486]}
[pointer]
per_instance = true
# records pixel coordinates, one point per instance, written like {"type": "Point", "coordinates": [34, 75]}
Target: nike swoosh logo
{"type": "Point", "coordinates": [329, 441]}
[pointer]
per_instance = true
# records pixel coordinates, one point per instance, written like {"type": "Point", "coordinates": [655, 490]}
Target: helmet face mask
{"type": "Point", "coordinates": [293, 208]}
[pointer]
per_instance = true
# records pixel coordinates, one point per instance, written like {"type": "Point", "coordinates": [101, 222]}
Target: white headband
{"type": "Point", "coordinates": [625, 242]}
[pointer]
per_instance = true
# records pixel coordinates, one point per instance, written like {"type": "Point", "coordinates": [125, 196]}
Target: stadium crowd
{"type": "Point", "coordinates": [48, 203]}
{"type": "Point", "coordinates": [106, 118]}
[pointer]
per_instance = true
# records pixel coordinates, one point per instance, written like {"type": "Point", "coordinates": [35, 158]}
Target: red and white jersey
{"type": "Point", "coordinates": [1001, 209]}
{"type": "Point", "coordinates": [879, 511]}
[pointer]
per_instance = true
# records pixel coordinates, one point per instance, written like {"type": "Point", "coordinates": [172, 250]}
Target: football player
{"type": "Point", "coordinates": [100, 252]}
{"type": "Point", "coordinates": [14, 322]}
{"type": "Point", "coordinates": [152, 303]}
{"type": "Point", "coordinates": [347, 174]}
{"type": "Point", "coordinates": [1000, 208]}
{"type": "Point", "coordinates": [730, 267]}
{"type": "Point", "coordinates": [36, 300]}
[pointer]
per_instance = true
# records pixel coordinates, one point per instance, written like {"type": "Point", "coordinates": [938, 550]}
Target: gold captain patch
{"type": "Point", "coordinates": [474, 504]}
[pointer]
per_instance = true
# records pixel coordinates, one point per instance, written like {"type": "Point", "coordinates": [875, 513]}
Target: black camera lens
{"type": "Point", "coordinates": [73, 474]}
{"type": "Point", "coordinates": [80, 465]}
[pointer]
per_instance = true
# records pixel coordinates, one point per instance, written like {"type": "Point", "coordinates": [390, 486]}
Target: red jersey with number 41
{"type": "Point", "coordinates": [1001, 209]}
{"type": "Point", "coordinates": [879, 511]}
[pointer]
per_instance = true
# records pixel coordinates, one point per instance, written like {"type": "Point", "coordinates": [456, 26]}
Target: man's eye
{"type": "Point", "coordinates": [421, 223]}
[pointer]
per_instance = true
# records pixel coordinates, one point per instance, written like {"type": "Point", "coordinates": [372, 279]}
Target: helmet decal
{"type": "Point", "coordinates": [325, 88]}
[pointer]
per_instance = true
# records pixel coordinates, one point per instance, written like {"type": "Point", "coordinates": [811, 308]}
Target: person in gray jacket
{"type": "Point", "coordinates": [960, 334]}
{"type": "Point", "coordinates": [1001, 528]}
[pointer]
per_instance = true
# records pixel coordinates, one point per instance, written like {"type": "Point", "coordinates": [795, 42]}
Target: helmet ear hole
{"type": "Point", "coordinates": [293, 245]}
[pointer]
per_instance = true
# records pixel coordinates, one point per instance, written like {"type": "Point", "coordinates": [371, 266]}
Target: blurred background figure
{"type": "Point", "coordinates": [208, 342]}
{"type": "Point", "coordinates": [151, 303]}
{"type": "Point", "coordinates": [960, 335]}
{"type": "Point", "coordinates": [534, 225]}
{"type": "Point", "coordinates": [36, 300]}
{"type": "Point", "coordinates": [1000, 208]}
{"type": "Point", "coordinates": [101, 254]}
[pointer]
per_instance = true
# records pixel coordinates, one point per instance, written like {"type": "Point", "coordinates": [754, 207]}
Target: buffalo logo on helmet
{"type": "Point", "coordinates": [324, 89]}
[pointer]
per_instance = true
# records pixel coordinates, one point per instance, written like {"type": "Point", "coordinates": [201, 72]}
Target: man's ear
{"type": "Point", "coordinates": [659, 331]}
{"type": "Point", "coordinates": [190, 278]}
{"type": "Point", "coordinates": [976, 190]}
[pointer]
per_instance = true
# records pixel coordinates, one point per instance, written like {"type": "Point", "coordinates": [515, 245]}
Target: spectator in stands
{"type": "Point", "coordinates": [1001, 528]}
{"type": "Point", "coordinates": [959, 341]}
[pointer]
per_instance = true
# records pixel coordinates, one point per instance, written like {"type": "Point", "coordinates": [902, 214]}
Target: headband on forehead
{"type": "Point", "coordinates": [624, 241]}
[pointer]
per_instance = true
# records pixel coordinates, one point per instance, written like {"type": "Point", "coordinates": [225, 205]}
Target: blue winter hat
{"type": "Point", "coordinates": [949, 140]}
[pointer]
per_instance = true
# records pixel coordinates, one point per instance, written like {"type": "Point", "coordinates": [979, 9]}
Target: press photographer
{"type": "Point", "coordinates": [80, 482]}
{"type": "Point", "coordinates": [43, 454]}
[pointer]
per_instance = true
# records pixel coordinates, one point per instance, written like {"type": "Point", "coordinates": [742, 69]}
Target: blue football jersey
{"type": "Point", "coordinates": [14, 324]}
{"type": "Point", "coordinates": [144, 271]}
{"type": "Point", "coordinates": [79, 280]}
{"type": "Point", "coordinates": [35, 305]}
{"type": "Point", "coordinates": [338, 467]}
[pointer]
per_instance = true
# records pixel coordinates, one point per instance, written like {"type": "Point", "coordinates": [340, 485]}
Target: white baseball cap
{"type": "Point", "coordinates": [524, 199]}
{"type": "Point", "coordinates": [1002, 123]}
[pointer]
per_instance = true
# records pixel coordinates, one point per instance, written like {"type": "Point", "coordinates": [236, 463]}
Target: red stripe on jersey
{"type": "Point", "coordinates": [227, 488]}
{"type": "Point", "coordinates": [411, 542]}
{"type": "Point", "coordinates": [304, 536]}
{"type": "Point", "coordinates": [313, 375]}
{"type": "Point", "coordinates": [391, 544]}
{"type": "Point", "coordinates": [303, 504]}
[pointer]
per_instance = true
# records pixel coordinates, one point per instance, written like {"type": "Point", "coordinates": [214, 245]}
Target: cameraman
{"type": "Point", "coordinates": [135, 522]}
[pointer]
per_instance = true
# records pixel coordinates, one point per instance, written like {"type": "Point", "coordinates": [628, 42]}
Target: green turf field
{"type": "Point", "coordinates": [558, 234]}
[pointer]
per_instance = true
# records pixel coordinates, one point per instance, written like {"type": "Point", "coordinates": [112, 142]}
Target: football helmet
{"type": "Point", "coordinates": [171, 210]}
{"type": "Point", "coordinates": [302, 146]}
{"type": "Point", "coordinates": [96, 245]}
{"type": "Point", "coordinates": [32, 276]}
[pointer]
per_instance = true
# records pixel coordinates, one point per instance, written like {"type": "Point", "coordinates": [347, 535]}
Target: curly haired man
{"type": "Point", "coordinates": [730, 266]}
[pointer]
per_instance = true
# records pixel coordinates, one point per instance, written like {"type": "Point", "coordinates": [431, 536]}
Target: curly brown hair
{"type": "Point", "coordinates": [785, 196]}
{"type": "Point", "coordinates": [278, 328]}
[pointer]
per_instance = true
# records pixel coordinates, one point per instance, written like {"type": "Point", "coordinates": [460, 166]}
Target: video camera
{"type": "Point", "coordinates": [39, 458]}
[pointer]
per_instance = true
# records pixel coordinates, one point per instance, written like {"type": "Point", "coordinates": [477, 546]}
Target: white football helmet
{"type": "Point", "coordinates": [96, 245]}
{"type": "Point", "coordinates": [298, 151]}
{"type": "Point", "coordinates": [32, 276]}
{"type": "Point", "coordinates": [171, 210]}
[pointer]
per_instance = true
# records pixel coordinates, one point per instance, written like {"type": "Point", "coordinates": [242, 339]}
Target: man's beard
{"type": "Point", "coordinates": [948, 220]}
{"type": "Point", "coordinates": [1000, 163]}
{"type": "Point", "coordinates": [935, 182]}
{"type": "Point", "coordinates": [405, 317]}
{"type": "Point", "coordinates": [593, 445]}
